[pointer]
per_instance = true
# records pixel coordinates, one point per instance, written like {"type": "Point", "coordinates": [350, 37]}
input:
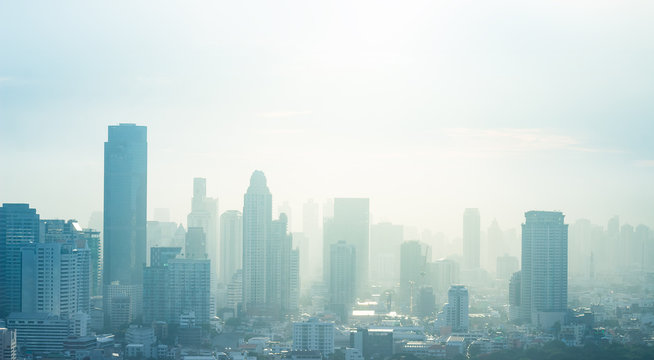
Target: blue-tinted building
{"type": "Point", "coordinates": [125, 201]}
{"type": "Point", "coordinates": [19, 228]}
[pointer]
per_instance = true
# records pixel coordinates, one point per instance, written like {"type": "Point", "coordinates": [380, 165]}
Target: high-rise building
{"type": "Point", "coordinates": [342, 281]}
{"type": "Point", "coordinates": [156, 283]}
{"type": "Point", "coordinates": [283, 263]}
{"type": "Point", "coordinates": [55, 279]}
{"type": "Point", "coordinates": [19, 228]}
{"type": "Point", "coordinates": [351, 223]}
{"type": "Point", "coordinates": [235, 291]}
{"type": "Point", "coordinates": [94, 244]}
{"type": "Point", "coordinates": [514, 297]}
{"type": "Point", "coordinates": [196, 244]}
{"type": "Point", "coordinates": [175, 286]}
{"type": "Point", "coordinates": [125, 210]}
{"type": "Point", "coordinates": [456, 309]}
{"type": "Point", "coordinates": [7, 344]}
{"type": "Point", "coordinates": [544, 274]}
{"type": "Point", "coordinates": [231, 244]}
{"type": "Point", "coordinates": [190, 289]}
{"type": "Point", "coordinates": [414, 257]}
{"type": "Point", "coordinates": [311, 228]}
{"type": "Point", "coordinates": [314, 335]}
{"type": "Point", "coordinates": [385, 242]}
{"type": "Point", "coordinates": [204, 214]}
{"type": "Point", "coordinates": [257, 223]}
{"type": "Point", "coordinates": [471, 239]}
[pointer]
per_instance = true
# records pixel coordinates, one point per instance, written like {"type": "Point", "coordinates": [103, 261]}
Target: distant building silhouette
{"type": "Point", "coordinates": [231, 244]}
{"type": "Point", "coordinates": [342, 281]}
{"type": "Point", "coordinates": [204, 214]}
{"type": "Point", "coordinates": [350, 223]}
{"type": "Point", "coordinates": [471, 239]}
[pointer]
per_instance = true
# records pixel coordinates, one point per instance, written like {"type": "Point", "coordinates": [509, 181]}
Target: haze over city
{"type": "Point", "coordinates": [427, 109]}
{"type": "Point", "coordinates": [313, 180]}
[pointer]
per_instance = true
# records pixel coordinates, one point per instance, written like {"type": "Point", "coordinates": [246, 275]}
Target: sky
{"type": "Point", "coordinates": [425, 107]}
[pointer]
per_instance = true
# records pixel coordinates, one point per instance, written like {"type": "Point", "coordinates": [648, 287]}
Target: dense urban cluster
{"type": "Point", "coordinates": [240, 285]}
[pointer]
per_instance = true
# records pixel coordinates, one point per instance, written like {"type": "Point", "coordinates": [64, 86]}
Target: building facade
{"type": "Point", "coordinates": [125, 209]}
{"type": "Point", "coordinates": [544, 274]}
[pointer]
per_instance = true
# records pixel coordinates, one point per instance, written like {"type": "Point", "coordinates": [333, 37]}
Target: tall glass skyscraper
{"type": "Point", "coordinates": [544, 275]}
{"type": "Point", "coordinates": [257, 223]}
{"type": "Point", "coordinates": [125, 201]}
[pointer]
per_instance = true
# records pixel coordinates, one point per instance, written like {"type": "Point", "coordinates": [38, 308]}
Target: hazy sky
{"type": "Point", "coordinates": [425, 107]}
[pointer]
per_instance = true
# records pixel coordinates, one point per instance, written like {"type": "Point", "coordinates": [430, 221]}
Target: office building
{"type": "Point", "coordinates": [39, 333]}
{"type": "Point", "coordinates": [231, 244]}
{"type": "Point", "coordinates": [456, 309]}
{"type": "Point", "coordinates": [471, 239]}
{"type": "Point", "coordinates": [373, 343]}
{"type": "Point", "coordinates": [544, 274]}
{"type": "Point", "coordinates": [8, 348]}
{"type": "Point", "coordinates": [189, 289]}
{"type": "Point", "coordinates": [156, 284]}
{"type": "Point", "coordinates": [204, 214]}
{"type": "Point", "coordinates": [257, 223]}
{"type": "Point", "coordinates": [350, 223]}
{"type": "Point", "coordinates": [314, 335]}
{"type": "Point", "coordinates": [19, 228]}
{"type": "Point", "coordinates": [342, 281]}
{"type": "Point", "coordinates": [125, 210]}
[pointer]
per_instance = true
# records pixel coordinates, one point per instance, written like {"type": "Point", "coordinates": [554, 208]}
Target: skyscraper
{"type": "Point", "coordinates": [342, 280]}
{"type": "Point", "coordinates": [456, 309]}
{"type": "Point", "coordinates": [471, 239]}
{"type": "Point", "coordinates": [125, 205]}
{"type": "Point", "coordinates": [231, 244]}
{"type": "Point", "coordinates": [204, 214]}
{"type": "Point", "coordinates": [311, 227]}
{"type": "Point", "coordinates": [257, 223]}
{"type": "Point", "coordinates": [19, 228]}
{"type": "Point", "coordinates": [351, 223]}
{"type": "Point", "coordinates": [544, 274]}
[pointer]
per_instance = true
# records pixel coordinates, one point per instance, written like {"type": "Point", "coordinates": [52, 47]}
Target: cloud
{"type": "Point", "coordinates": [283, 114]}
{"type": "Point", "coordinates": [486, 142]}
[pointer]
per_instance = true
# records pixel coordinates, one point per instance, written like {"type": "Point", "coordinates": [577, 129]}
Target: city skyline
{"type": "Point", "coordinates": [326, 180]}
{"type": "Point", "coordinates": [466, 108]}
